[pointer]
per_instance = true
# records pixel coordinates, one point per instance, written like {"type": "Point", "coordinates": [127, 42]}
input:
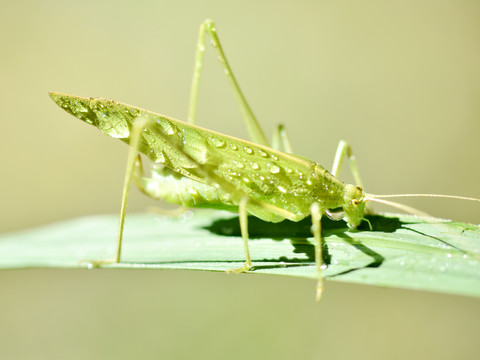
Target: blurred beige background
{"type": "Point", "coordinates": [399, 80]}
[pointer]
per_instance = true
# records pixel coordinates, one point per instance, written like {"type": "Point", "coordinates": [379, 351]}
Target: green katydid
{"type": "Point", "coordinates": [196, 167]}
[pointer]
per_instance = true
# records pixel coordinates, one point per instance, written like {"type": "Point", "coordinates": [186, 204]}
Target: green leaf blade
{"type": "Point", "coordinates": [401, 251]}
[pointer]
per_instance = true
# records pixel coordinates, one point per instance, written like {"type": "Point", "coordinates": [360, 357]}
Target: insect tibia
{"type": "Point", "coordinates": [208, 29]}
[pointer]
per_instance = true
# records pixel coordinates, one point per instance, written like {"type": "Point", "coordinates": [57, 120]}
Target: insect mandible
{"type": "Point", "coordinates": [196, 167]}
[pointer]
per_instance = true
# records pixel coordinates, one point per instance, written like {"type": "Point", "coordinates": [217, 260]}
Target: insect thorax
{"type": "Point", "coordinates": [329, 191]}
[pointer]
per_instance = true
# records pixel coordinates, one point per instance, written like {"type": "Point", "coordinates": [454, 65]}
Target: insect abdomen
{"type": "Point", "coordinates": [166, 184]}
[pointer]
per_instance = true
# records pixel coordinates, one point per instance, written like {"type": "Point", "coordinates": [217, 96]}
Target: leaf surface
{"type": "Point", "coordinates": [401, 251]}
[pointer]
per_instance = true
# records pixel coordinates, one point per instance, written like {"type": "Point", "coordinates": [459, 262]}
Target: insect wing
{"type": "Point", "coordinates": [239, 167]}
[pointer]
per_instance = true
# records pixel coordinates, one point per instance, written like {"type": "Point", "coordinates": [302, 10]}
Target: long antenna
{"type": "Point", "coordinates": [413, 211]}
{"type": "Point", "coordinates": [406, 208]}
{"type": "Point", "coordinates": [425, 195]}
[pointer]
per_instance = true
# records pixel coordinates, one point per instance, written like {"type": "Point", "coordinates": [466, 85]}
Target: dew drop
{"type": "Point", "coordinates": [281, 189]}
{"type": "Point", "coordinates": [218, 143]}
{"type": "Point", "coordinates": [255, 166]}
{"type": "Point", "coordinates": [238, 164]}
{"type": "Point", "coordinates": [233, 147]}
{"type": "Point", "coordinates": [262, 153]}
{"type": "Point", "coordinates": [274, 169]}
{"type": "Point", "coordinates": [248, 150]}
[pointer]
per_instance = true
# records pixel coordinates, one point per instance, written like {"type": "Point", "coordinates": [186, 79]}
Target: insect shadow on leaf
{"type": "Point", "coordinates": [298, 233]}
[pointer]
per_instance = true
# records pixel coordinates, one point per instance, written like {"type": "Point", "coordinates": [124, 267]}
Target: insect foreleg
{"type": "Point", "coordinates": [281, 141]}
{"type": "Point", "coordinates": [253, 127]}
{"type": "Point", "coordinates": [243, 215]}
{"type": "Point", "coordinates": [316, 213]}
{"type": "Point", "coordinates": [343, 150]}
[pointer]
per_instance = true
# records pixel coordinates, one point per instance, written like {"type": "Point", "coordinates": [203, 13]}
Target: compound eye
{"type": "Point", "coordinates": [355, 202]}
{"type": "Point", "coordinates": [359, 188]}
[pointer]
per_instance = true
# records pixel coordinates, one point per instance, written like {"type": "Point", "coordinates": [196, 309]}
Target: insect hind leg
{"type": "Point", "coordinates": [281, 141]}
{"type": "Point", "coordinates": [344, 149]}
{"type": "Point", "coordinates": [137, 127]}
{"type": "Point", "coordinates": [208, 29]}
